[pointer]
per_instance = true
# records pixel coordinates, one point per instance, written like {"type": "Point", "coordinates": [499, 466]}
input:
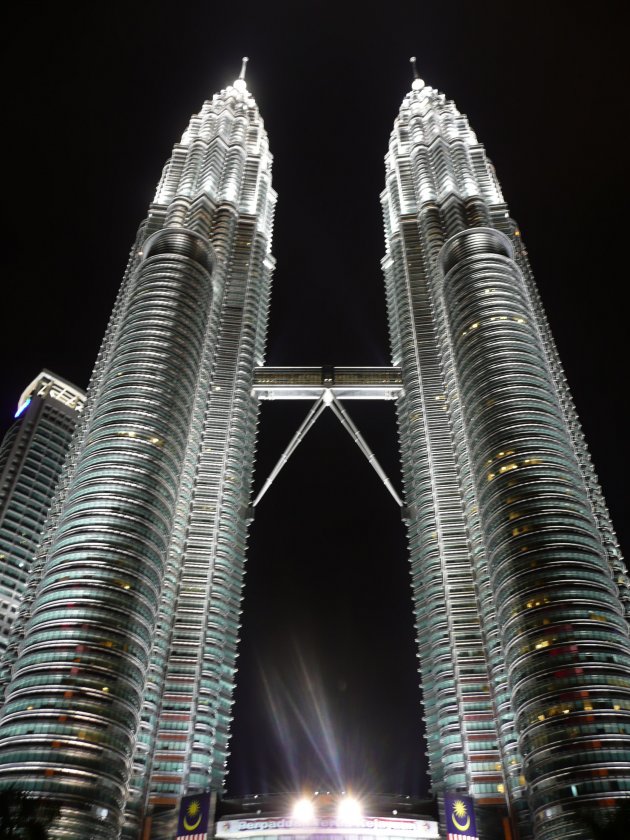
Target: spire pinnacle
{"type": "Point", "coordinates": [243, 67]}
{"type": "Point", "coordinates": [417, 83]}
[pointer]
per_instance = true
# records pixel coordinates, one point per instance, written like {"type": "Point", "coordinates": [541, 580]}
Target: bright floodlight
{"type": "Point", "coordinates": [303, 811]}
{"type": "Point", "coordinates": [349, 810]}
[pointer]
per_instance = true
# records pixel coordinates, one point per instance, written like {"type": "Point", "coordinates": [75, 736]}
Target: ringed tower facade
{"type": "Point", "coordinates": [120, 674]}
{"type": "Point", "coordinates": [520, 594]}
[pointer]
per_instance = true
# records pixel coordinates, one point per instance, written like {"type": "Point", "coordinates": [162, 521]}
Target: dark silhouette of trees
{"type": "Point", "coordinates": [24, 817]}
{"type": "Point", "coordinates": [609, 827]}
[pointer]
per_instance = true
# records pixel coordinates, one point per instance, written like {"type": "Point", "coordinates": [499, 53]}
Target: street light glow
{"type": "Point", "coordinates": [303, 811]}
{"type": "Point", "coordinates": [349, 810]}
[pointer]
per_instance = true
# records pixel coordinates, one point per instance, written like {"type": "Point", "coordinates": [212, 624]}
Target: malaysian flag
{"type": "Point", "coordinates": [194, 816]}
{"type": "Point", "coordinates": [459, 813]}
{"type": "Point", "coordinates": [451, 836]}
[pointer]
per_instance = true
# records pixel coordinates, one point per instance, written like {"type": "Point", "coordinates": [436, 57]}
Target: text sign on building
{"type": "Point", "coordinates": [194, 814]}
{"type": "Point", "coordinates": [459, 814]}
{"type": "Point", "coordinates": [367, 826]}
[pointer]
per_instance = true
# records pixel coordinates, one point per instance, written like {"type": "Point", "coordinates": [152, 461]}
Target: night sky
{"type": "Point", "coordinates": [94, 98]}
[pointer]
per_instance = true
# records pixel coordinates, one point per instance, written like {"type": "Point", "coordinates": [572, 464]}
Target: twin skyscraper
{"type": "Point", "coordinates": [119, 675]}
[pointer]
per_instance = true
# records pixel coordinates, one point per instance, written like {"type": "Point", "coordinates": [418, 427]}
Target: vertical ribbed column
{"type": "Point", "coordinates": [77, 686]}
{"type": "Point", "coordinates": [438, 182]}
{"type": "Point", "coordinates": [226, 196]}
{"type": "Point", "coordinates": [602, 515]}
{"type": "Point", "coordinates": [564, 638]}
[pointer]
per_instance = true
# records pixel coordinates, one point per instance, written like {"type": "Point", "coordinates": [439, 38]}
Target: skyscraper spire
{"type": "Point", "coordinates": [241, 75]}
{"type": "Point", "coordinates": [417, 83]}
{"type": "Point", "coordinates": [515, 566]}
{"type": "Point", "coordinates": [135, 601]}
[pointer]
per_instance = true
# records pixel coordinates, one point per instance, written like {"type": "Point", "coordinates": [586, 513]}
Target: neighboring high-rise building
{"type": "Point", "coordinates": [122, 674]}
{"type": "Point", "coordinates": [120, 671]}
{"type": "Point", "coordinates": [519, 588]}
{"type": "Point", "coordinates": [31, 457]}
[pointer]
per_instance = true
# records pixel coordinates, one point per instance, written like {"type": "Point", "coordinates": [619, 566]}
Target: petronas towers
{"type": "Point", "coordinates": [119, 675]}
{"type": "Point", "coordinates": [123, 663]}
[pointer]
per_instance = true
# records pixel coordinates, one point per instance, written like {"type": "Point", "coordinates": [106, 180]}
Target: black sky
{"type": "Point", "coordinates": [94, 97]}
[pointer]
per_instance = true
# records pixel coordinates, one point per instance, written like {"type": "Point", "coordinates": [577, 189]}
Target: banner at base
{"type": "Point", "coordinates": [459, 812]}
{"type": "Point", "coordinates": [194, 816]}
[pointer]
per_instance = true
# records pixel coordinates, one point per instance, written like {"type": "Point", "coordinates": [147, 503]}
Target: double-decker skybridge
{"type": "Point", "coordinates": [327, 386]}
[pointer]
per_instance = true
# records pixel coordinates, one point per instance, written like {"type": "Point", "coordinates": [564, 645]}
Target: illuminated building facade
{"type": "Point", "coordinates": [521, 597]}
{"type": "Point", "coordinates": [120, 671]}
{"type": "Point", "coordinates": [31, 459]}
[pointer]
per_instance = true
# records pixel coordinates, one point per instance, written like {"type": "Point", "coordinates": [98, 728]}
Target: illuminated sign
{"type": "Point", "coordinates": [23, 407]}
{"type": "Point", "coordinates": [365, 826]}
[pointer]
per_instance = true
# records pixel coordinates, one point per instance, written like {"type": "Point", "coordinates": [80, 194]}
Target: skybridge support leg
{"type": "Point", "coordinates": [297, 438]}
{"type": "Point", "coordinates": [346, 421]}
{"type": "Point", "coordinates": [329, 399]}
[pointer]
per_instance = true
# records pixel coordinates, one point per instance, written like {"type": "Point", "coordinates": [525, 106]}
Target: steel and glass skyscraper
{"type": "Point", "coordinates": [32, 455]}
{"type": "Point", "coordinates": [521, 598]}
{"type": "Point", "coordinates": [122, 668]}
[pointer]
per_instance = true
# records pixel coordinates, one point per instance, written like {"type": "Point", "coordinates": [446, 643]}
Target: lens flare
{"type": "Point", "coordinates": [303, 811]}
{"type": "Point", "coordinates": [349, 810]}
